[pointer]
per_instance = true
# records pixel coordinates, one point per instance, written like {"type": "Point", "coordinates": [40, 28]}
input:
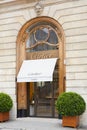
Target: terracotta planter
{"type": "Point", "coordinates": [4, 116]}
{"type": "Point", "coordinates": [71, 121]}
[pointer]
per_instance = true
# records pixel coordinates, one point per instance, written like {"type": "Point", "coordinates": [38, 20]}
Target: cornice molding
{"type": "Point", "coordinates": [23, 4]}
{"type": "Point", "coordinates": [5, 1]}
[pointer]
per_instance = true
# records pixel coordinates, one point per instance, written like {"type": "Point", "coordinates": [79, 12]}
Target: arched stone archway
{"type": "Point", "coordinates": [21, 55]}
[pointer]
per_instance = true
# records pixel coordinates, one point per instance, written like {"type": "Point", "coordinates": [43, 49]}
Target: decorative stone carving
{"type": "Point", "coordinates": [39, 7]}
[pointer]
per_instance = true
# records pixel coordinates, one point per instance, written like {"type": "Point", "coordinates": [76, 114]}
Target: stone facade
{"type": "Point", "coordinates": [72, 15]}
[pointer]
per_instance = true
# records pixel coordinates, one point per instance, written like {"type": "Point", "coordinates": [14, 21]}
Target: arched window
{"type": "Point", "coordinates": [42, 36]}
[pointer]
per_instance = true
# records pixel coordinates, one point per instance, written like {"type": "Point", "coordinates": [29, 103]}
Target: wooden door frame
{"type": "Point", "coordinates": [21, 55]}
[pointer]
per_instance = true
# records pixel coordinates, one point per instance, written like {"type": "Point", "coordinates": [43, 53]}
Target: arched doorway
{"type": "Point", "coordinates": [40, 38]}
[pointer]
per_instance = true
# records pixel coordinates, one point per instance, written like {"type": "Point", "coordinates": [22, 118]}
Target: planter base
{"type": "Point", "coordinates": [71, 121]}
{"type": "Point", "coordinates": [4, 116]}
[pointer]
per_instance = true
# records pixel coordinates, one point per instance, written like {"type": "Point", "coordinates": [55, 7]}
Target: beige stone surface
{"type": "Point", "coordinates": [72, 15]}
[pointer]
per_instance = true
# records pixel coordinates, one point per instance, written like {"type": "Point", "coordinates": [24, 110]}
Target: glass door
{"type": "Point", "coordinates": [42, 97]}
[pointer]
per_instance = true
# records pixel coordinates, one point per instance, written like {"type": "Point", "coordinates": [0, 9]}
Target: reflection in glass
{"type": "Point", "coordinates": [53, 37]}
{"type": "Point", "coordinates": [41, 34]}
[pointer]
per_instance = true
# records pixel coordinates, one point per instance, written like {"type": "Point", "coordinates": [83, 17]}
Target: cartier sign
{"type": "Point", "coordinates": [42, 54]}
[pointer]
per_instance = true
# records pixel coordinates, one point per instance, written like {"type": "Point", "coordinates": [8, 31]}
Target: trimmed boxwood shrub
{"type": "Point", "coordinates": [70, 104]}
{"type": "Point", "coordinates": [6, 102]}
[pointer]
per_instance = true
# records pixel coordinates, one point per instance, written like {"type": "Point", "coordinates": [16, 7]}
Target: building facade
{"type": "Point", "coordinates": [59, 27]}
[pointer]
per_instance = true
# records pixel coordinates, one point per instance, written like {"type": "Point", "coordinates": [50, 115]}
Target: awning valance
{"type": "Point", "coordinates": [37, 70]}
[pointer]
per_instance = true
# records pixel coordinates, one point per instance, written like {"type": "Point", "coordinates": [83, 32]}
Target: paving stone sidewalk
{"type": "Point", "coordinates": [36, 124]}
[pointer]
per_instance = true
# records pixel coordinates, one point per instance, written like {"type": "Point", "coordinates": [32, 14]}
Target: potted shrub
{"type": "Point", "coordinates": [6, 104]}
{"type": "Point", "coordinates": [70, 105]}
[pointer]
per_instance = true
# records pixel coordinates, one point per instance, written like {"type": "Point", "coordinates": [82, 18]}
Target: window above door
{"type": "Point", "coordinates": [42, 36]}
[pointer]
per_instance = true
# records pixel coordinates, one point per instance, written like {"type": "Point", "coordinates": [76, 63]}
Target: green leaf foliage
{"type": "Point", "coordinates": [6, 102]}
{"type": "Point", "coordinates": [70, 104]}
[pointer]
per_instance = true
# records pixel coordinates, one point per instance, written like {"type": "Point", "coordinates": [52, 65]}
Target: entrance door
{"type": "Point", "coordinates": [40, 38]}
{"type": "Point", "coordinates": [42, 96]}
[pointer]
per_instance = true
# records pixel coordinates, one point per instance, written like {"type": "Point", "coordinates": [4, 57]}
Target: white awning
{"type": "Point", "coordinates": [36, 70]}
